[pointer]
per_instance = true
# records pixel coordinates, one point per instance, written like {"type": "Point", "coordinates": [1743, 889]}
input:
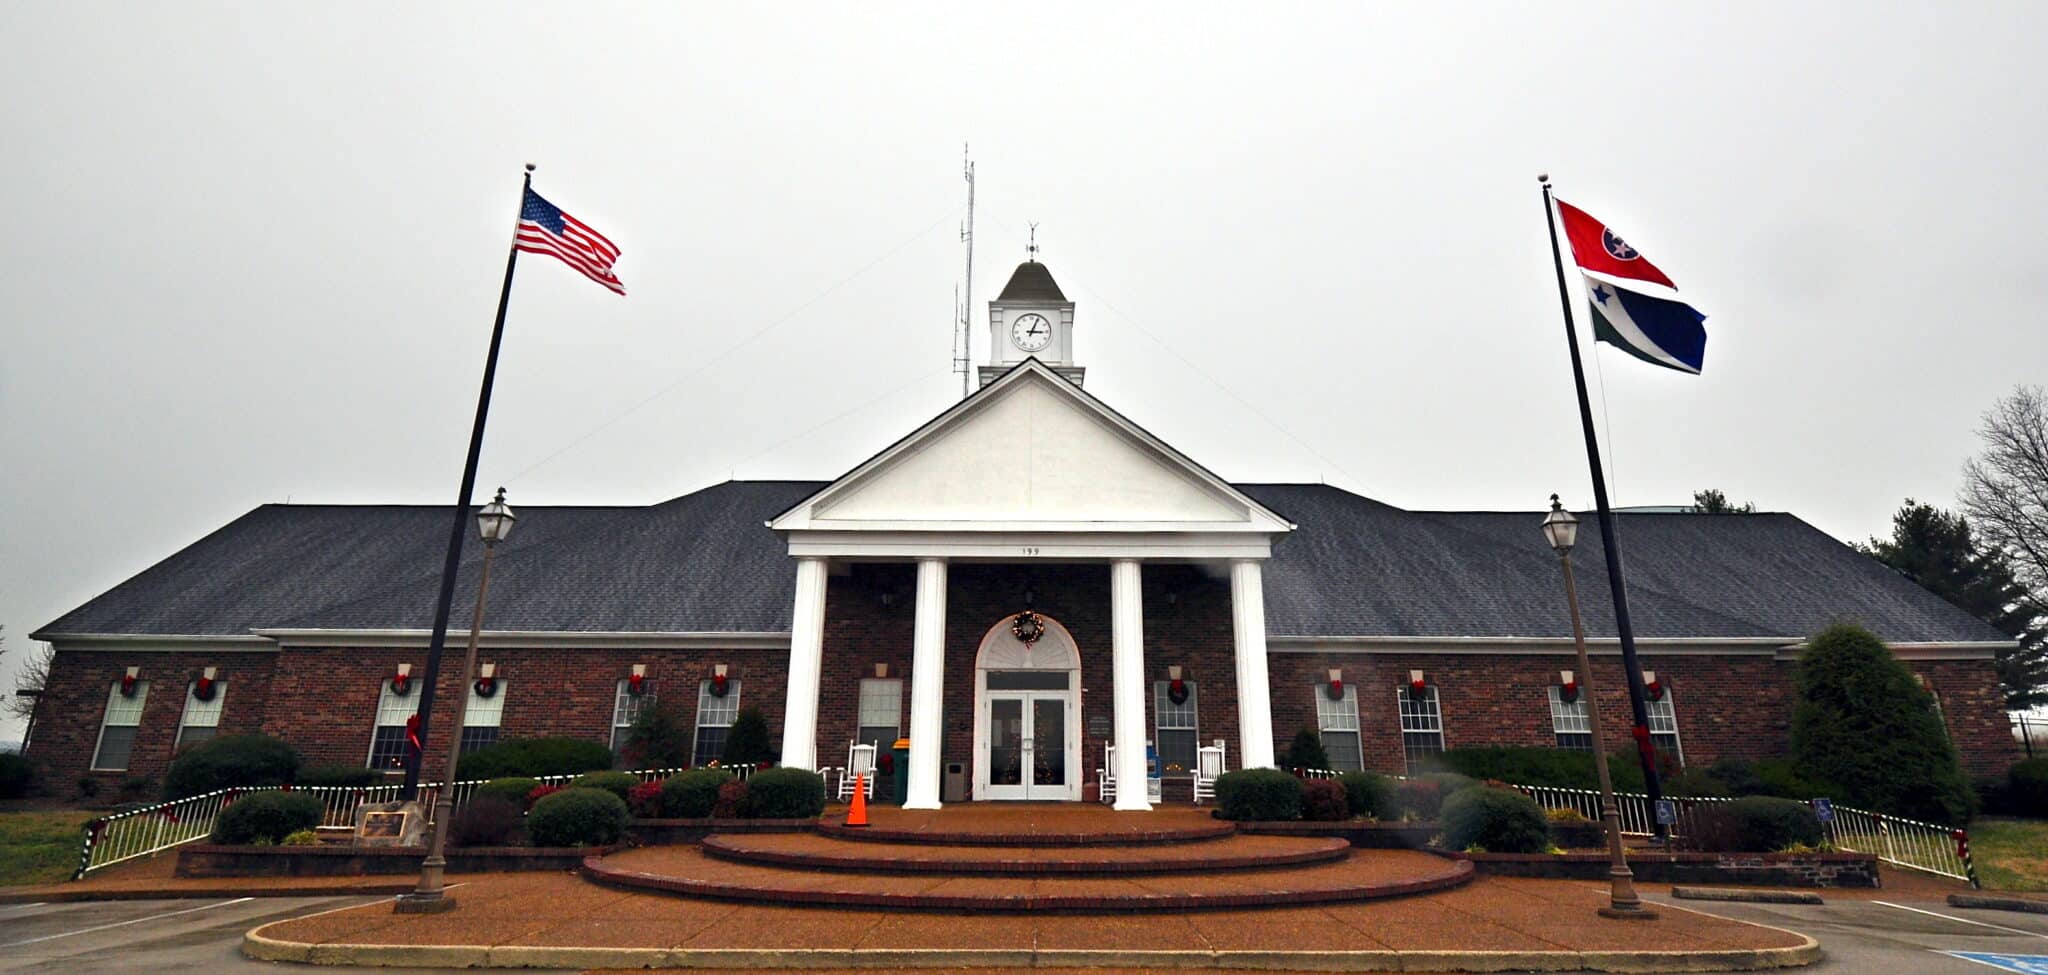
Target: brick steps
{"type": "Point", "coordinates": [1357, 876]}
{"type": "Point", "coordinates": [830, 852]}
{"type": "Point", "coordinates": [901, 829]}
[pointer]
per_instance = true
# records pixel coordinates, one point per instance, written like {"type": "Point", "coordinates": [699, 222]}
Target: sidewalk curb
{"type": "Point", "coordinates": [1988, 903]}
{"type": "Point", "coordinates": [257, 946]}
{"type": "Point", "coordinates": [1746, 896]}
{"type": "Point", "coordinates": [169, 894]}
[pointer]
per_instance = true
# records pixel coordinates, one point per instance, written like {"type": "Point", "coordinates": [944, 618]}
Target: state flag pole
{"type": "Point", "coordinates": [1609, 547]}
{"type": "Point", "coordinates": [417, 749]}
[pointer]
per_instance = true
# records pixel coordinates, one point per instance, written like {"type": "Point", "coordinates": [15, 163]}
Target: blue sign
{"type": "Point", "coordinates": [1667, 812]}
{"type": "Point", "coordinates": [2026, 964]}
{"type": "Point", "coordinates": [1824, 810]}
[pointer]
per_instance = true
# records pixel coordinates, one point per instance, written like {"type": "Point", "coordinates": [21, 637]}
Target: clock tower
{"type": "Point", "coordinates": [1032, 318]}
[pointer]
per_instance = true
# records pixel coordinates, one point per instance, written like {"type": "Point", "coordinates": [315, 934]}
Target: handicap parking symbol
{"type": "Point", "coordinates": [2025, 964]}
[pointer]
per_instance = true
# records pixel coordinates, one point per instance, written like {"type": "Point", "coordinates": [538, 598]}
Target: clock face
{"type": "Point", "coordinates": [1031, 333]}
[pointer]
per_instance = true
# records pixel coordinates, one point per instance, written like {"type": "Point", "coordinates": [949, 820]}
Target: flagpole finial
{"type": "Point", "coordinates": [1542, 177]}
{"type": "Point", "coordinates": [529, 167]}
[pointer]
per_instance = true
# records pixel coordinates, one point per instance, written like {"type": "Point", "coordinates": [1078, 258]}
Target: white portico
{"type": "Point", "coordinates": [1029, 470]}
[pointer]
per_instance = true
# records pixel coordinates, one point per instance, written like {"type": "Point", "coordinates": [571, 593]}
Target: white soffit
{"type": "Point", "coordinates": [1031, 452]}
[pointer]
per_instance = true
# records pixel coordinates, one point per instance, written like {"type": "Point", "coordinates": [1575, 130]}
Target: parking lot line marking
{"type": "Point", "coordinates": [1964, 920]}
{"type": "Point", "coordinates": [121, 924]}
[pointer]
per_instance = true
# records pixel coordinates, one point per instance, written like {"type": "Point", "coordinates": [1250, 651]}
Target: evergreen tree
{"type": "Point", "coordinates": [1712, 502]}
{"type": "Point", "coordinates": [660, 738]}
{"type": "Point", "coordinates": [1936, 549]}
{"type": "Point", "coordinates": [1306, 751]}
{"type": "Point", "coordinates": [1863, 723]}
{"type": "Point", "coordinates": [747, 743]}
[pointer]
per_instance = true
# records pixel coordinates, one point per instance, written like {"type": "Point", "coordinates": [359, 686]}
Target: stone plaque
{"type": "Point", "coordinates": [1098, 726]}
{"type": "Point", "coordinates": [390, 824]}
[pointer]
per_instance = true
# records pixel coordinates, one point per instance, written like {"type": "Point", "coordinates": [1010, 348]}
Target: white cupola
{"type": "Point", "coordinates": [1031, 319]}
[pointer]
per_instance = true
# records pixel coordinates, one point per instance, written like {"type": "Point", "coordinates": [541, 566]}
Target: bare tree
{"type": "Point", "coordinates": [2005, 489]}
{"type": "Point", "coordinates": [34, 676]}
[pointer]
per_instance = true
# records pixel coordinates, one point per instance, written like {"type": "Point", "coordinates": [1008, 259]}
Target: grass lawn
{"type": "Point", "coordinates": [40, 847]}
{"type": "Point", "coordinates": [2011, 854]}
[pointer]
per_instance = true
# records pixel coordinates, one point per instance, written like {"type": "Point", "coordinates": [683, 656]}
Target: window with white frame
{"type": "Point", "coordinates": [202, 718]}
{"type": "Point", "coordinates": [387, 741]}
{"type": "Point", "coordinates": [1337, 725]}
{"type": "Point", "coordinates": [118, 728]}
{"type": "Point", "coordinates": [1664, 727]}
{"type": "Point", "coordinates": [881, 713]}
{"type": "Point", "coordinates": [1175, 734]}
{"type": "Point", "coordinates": [1422, 726]}
{"type": "Point", "coordinates": [1569, 722]}
{"type": "Point", "coordinates": [481, 717]}
{"type": "Point", "coordinates": [714, 719]}
{"type": "Point", "coordinates": [626, 710]}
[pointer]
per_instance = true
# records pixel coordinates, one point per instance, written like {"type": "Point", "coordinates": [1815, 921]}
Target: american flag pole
{"type": "Point", "coordinates": [457, 530]}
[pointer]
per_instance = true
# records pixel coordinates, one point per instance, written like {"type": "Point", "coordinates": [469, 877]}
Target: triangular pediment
{"type": "Point", "coordinates": [1031, 452]}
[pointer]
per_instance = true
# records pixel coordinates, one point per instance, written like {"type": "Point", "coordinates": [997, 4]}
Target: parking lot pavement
{"type": "Point", "coordinates": [149, 936]}
{"type": "Point", "coordinates": [1907, 937]}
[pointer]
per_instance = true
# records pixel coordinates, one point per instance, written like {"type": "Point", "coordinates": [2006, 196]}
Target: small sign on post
{"type": "Point", "coordinates": [1824, 810]}
{"type": "Point", "coordinates": [1667, 813]}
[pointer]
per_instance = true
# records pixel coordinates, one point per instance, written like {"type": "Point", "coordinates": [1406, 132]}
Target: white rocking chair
{"type": "Point", "coordinates": [1106, 775]}
{"type": "Point", "coordinates": [1208, 768]}
{"type": "Point", "coordinates": [860, 761]}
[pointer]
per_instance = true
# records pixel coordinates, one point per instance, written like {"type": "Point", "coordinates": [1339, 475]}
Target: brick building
{"type": "Point", "coordinates": [1176, 609]}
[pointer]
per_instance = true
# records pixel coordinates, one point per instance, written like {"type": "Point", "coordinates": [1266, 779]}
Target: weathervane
{"type": "Point", "coordinates": [1031, 249]}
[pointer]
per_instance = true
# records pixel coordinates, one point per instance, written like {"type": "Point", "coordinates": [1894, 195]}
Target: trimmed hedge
{"type": "Point", "coordinates": [1252, 795]}
{"type": "Point", "coordinates": [1864, 723]}
{"type": "Point", "coordinates": [16, 775]}
{"type": "Point", "coordinates": [691, 794]}
{"type": "Point", "coordinates": [534, 756]}
{"type": "Point", "coordinates": [617, 783]}
{"type": "Point", "coordinates": [578, 817]}
{"type": "Point", "coordinates": [784, 793]}
{"type": "Point", "coordinates": [1323, 801]}
{"type": "Point", "coordinates": [342, 776]}
{"type": "Point", "coordinates": [1422, 797]}
{"type": "Point", "coordinates": [2026, 787]}
{"type": "Point", "coordinates": [1494, 820]}
{"type": "Point", "coordinates": [267, 817]}
{"type": "Point", "coordinates": [1564, 768]}
{"type": "Point", "coordinates": [1756, 824]}
{"type": "Point", "coordinates": [1369, 794]}
{"type": "Point", "coordinates": [512, 788]}
{"type": "Point", "coordinates": [233, 762]}
{"type": "Point", "coordinates": [487, 821]}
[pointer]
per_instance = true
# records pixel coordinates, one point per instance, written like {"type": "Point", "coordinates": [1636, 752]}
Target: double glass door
{"type": "Point", "coordinates": [1028, 751]}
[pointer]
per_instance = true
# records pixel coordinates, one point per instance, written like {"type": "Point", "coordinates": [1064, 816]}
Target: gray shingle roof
{"type": "Point", "coordinates": [705, 562]}
{"type": "Point", "coordinates": [1031, 281]}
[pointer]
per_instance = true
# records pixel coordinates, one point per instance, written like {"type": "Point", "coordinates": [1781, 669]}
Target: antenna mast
{"type": "Point", "coordinates": [962, 356]}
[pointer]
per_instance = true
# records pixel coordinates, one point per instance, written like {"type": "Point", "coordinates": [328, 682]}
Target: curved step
{"type": "Point", "coordinates": [815, 852]}
{"type": "Point", "coordinates": [1362, 875]}
{"type": "Point", "coordinates": [1139, 833]}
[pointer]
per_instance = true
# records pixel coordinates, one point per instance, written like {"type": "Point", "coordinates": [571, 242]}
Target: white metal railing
{"type": "Point", "coordinates": [1895, 840]}
{"type": "Point", "coordinates": [150, 829]}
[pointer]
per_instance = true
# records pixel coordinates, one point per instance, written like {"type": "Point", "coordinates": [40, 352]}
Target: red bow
{"type": "Point", "coordinates": [1642, 736]}
{"type": "Point", "coordinates": [412, 733]}
{"type": "Point", "coordinates": [633, 684]}
{"type": "Point", "coordinates": [1570, 692]}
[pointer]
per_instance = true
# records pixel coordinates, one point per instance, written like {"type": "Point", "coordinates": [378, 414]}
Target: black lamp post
{"type": "Point", "coordinates": [493, 525]}
{"type": "Point", "coordinates": [1561, 529]}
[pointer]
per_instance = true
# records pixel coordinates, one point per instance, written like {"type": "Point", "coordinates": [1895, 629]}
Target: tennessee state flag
{"type": "Point", "coordinates": [1597, 249]}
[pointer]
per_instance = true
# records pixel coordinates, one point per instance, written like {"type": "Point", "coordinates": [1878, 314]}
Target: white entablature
{"type": "Point", "coordinates": [1031, 466]}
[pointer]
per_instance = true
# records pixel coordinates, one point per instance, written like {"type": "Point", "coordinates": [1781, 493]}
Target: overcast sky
{"type": "Point", "coordinates": [254, 250]}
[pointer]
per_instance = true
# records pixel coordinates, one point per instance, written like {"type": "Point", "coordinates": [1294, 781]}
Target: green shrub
{"type": "Point", "coordinates": [1863, 723]}
{"type": "Point", "coordinates": [1369, 794]}
{"type": "Point", "coordinates": [747, 742]}
{"type": "Point", "coordinates": [1323, 801]}
{"type": "Point", "coordinates": [1695, 783]}
{"type": "Point", "coordinates": [267, 817]}
{"type": "Point", "coordinates": [339, 776]}
{"type": "Point", "coordinates": [233, 762]}
{"type": "Point", "coordinates": [487, 821]}
{"type": "Point", "coordinates": [1495, 820]}
{"type": "Point", "coordinates": [534, 756]}
{"type": "Point", "coordinates": [1767, 777]}
{"type": "Point", "coordinates": [2026, 787]}
{"type": "Point", "coordinates": [135, 787]}
{"type": "Point", "coordinates": [691, 794]}
{"type": "Point", "coordinates": [304, 837]}
{"type": "Point", "coordinates": [16, 775]}
{"type": "Point", "coordinates": [1562, 768]}
{"type": "Point", "coordinates": [1256, 794]}
{"type": "Point", "coordinates": [1305, 751]}
{"type": "Point", "coordinates": [784, 793]}
{"type": "Point", "coordinates": [578, 817]}
{"type": "Point", "coordinates": [512, 788]}
{"type": "Point", "coordinates": [662, 736]}
{"type": "Point", "coordinates": [1755, 824]}
{"type": "Point", "coordinates": [88, 786]}
{"type": "Point", "coordinates": [617, 783]}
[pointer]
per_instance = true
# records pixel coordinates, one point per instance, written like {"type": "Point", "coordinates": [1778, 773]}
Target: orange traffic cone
{"type": "Point", "coordinates": [858, 815]}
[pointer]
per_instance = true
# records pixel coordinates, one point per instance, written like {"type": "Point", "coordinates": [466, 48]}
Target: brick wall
{"type": "Point", "coordinates": [69, 714]}
{"type": "Point", "coordinates": [1973, 706]}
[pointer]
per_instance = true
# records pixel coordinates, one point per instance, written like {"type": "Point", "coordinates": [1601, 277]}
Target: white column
{"type": "Point", "coordinates": [927, 685]}
{"type": "Point", "coordinates": [806, 666]}
{"type": "Point", "coordinates": [1254, 696]}
{"type": "Point", "coordinates": [1127, 672]}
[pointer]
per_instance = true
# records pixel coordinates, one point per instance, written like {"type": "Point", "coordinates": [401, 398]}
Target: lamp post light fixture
{"type": "Point", "coordinates": [493, 525]}
{"type": "Point", "coordinates": [1561, 529]}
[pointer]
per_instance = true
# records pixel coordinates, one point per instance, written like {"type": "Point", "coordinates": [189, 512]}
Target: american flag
{"type": "Point", "coordinates": [545, 229]}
